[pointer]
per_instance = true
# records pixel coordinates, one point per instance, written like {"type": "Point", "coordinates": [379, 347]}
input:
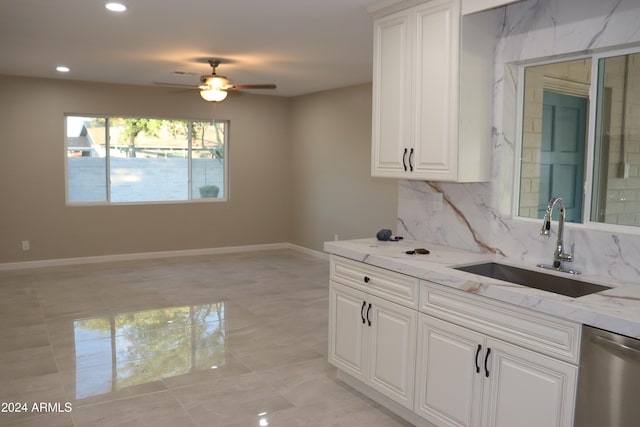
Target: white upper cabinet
{"type": "Point", "coordinates": [473, 6]}
{"type": "Point", "coordinates": [432, 92]}
{"type": "Point", "coordinates": [391, 98]}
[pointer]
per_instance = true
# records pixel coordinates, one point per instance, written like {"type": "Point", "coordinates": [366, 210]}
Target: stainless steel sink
{"type": "Point", "coordinates": [534, 279]}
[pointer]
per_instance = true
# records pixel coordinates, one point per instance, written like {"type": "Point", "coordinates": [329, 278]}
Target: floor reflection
{"type": "Point", "coordinates": [135, 348]}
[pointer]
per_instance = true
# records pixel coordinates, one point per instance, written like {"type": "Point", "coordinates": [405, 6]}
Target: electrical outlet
{"type": "Point", "coordinates": [26, 245]}
{"type": "Point", "coordinates": [335, 237]}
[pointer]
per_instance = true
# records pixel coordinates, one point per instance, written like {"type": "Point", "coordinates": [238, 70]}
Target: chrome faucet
{"type": "Point", "coordinates": [559, 255]}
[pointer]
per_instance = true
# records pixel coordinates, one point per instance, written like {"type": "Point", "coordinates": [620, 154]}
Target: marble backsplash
{"type": "Point", "coordinates": [477, 216]}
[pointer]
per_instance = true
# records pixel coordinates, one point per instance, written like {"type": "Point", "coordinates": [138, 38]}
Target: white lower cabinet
{"type": "Point", "coordinates": [373, 340]}
{"type": "Point", "coordinates": [466, 378]}
{"type": "Point", "coordinates": [445, 357]}
{"type": "Point", "coordinates": [449, 373]}
{"type": "Point", "coordinates": [528, 389]}
{"type": "Point", "coordinates": [347, 333]}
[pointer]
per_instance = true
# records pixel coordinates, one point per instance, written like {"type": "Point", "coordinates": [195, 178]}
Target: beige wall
{"type": "Point", "coordinates": [333, 191]}
{"type": "Point", "coordinates": [299, 172]}
{"type": "Point", "coordinates": [32, 179]}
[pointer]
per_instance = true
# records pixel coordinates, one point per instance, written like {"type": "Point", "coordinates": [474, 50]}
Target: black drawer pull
{"type": "Point", "coordinates": [410, 162]}
{"type": "Point", "coordinates": [366, 279]}
{"type": "Point", "coordinates": [478, 354]}
{"type": "Point", "coordinates": [486, 359]}
{"type": "Point", "coordinates": [362, 312]}
{"type": "Point", "coordinates": [368, 310]}
{"type": "Point", "coordinates": [404, 160]}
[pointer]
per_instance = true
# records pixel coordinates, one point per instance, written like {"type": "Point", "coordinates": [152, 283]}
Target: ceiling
{"type": "Point", "coordinates": [303, 46]}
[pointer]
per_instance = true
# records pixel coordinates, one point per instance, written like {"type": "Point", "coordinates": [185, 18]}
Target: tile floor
{"type": "Point", "coordinates": [221, 340]}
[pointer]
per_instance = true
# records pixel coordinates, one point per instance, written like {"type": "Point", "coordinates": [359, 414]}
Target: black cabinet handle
{"type": "Point", "coordinates": [368, 310]}
{"type": "Point", "coordinates": [404, 160]}
{"type": "Point", "coordinates": [410, 163]}
{"type": "Point", "coordinates": [362, 312]}
{"type": "Point", "coordinates": [366, 279]}
{"type": "Point", "coordinates": [478, 354]}
{"type": "Point", "coordinates": [486, 359]}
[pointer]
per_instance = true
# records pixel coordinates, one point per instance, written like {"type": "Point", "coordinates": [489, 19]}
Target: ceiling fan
{"type": "Point", "coordinates": [215, 88]}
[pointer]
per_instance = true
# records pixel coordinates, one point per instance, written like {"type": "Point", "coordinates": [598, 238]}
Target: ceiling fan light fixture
{"type": "Point", "coordinates": [213, 94]}
{"type": "Point", "coordinates": [116, 7]}
{"type": "Point", "coordinates": [216, 82]}
{"type": "Point", "coordinates": [214, 88]}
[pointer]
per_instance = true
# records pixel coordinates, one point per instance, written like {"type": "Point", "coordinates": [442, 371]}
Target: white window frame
{"type": "Point", "coordinates": [190, 198]}
{"type": "Point", "coordinates": [586, 223]}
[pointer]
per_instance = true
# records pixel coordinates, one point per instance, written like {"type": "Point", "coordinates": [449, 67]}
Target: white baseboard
{"type": "Point", "coordinates": [153, 255]}
{"type": "Point", "coordinates": [312, 252]}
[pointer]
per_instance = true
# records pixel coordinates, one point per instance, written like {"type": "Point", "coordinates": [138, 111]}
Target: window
{"type": "Point", "coordinates": [580, 139]}
{"type": "Point", "coordinates": [145, 160]}
{"type": "Point", "coordinates": [554, 137]}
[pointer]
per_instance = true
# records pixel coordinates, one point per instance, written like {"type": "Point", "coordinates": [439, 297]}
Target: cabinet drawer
{"type": "Point", "coordinates": [392, 286]}
{"type": "Point", "coordinates": [536, 331]}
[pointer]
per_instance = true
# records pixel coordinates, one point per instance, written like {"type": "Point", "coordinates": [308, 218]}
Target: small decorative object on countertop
{"type": "Point", "coordinates": [385, 234]}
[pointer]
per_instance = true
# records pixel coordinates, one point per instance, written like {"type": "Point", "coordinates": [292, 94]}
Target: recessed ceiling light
{"type": "Point", "coordinates": [62, 69]}
{"type": "Point", "coordinates": [116, 7]}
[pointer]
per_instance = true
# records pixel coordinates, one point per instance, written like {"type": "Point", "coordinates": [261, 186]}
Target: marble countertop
{"type": "Point", "coordinates": [616, 309]}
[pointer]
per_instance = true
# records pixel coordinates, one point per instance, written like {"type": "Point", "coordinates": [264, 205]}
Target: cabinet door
{"type": "Point", "coordinates": [473, 6]}
{"type": "Point", "coordinates": [392, 350]}
{"type": "Point", "coordinates": [391, 96]}
{"type": "Point", "coordinates": [436, 90]}
{"type": "Point", "coordinates": [527, 389]}
{"type": "Point", "coordinates": [347, 338]}
{"type": "Point", "coordinates": [449, 373]}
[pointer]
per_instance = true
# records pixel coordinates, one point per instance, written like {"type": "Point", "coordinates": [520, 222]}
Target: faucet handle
{"type": "Point", "coordinates": [565, 257]}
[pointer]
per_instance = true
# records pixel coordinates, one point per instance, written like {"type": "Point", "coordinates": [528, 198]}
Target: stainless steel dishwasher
{"type": "Point", "coordinates": [609, 380]}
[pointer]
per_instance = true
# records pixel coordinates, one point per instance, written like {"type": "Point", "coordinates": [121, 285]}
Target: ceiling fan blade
{"type": "Point", "coordinates": [259, 86]}
{"type": "Point", "coordinates": [185, 86]}
{"type": "Point", "coordinates": [177, 90]}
